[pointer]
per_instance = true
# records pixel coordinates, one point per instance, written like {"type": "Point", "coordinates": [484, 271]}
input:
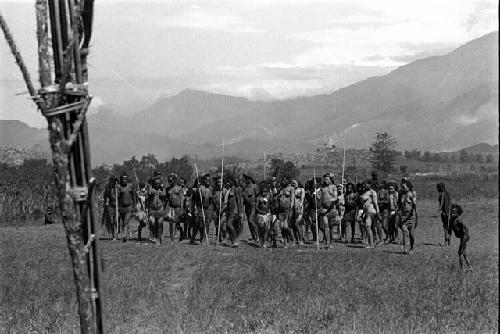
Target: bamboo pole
{"type": "Point", "coordinates": [68, 136]}
{"type": "Point", "coordinates": [15, 52]}
{"type": "Point", "coordinates": [44, 71]}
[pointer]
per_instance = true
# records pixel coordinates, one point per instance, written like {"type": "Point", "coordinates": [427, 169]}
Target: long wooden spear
{"type": "Point", "coordinates": [201, 200]}
{"type": "Point", "coordinates": [342, 192]}
{"type": "Point", "coordinates": [264, 165]}
{"type": "Point", "coordinates": [220, 193]}
{"type": "Point", "coordinates": [117, 218]}
{"type": "Point", "coordinates": [316, 209]}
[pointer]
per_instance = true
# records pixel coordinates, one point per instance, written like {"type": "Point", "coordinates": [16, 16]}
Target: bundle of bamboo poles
{"type": "Point", "coordinates": [64, 99]}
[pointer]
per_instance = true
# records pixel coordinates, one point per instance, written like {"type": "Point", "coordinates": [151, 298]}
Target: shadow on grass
{"type": "Point", "coordinates": [252, 244]}
{"type": "Point", "coordinates": [356, 245]}
{"type": "Point", "coordinates": [394, 252]}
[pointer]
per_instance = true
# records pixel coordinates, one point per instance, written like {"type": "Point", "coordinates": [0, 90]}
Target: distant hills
{"type": "Point", "coordinates": [436, 103]}
{"type": "Point", "coordinates": [15, 156]}
{"type": "Point", "coordinates": [115, 145]}
{"type": "Point", "coordinates": [482, 148]}
{"type": "Point", "coordinates": [31, 143]}
{"type": "Point", "coordinates": [441, 103]}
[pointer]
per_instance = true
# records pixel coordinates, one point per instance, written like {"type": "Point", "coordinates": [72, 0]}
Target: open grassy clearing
{"type": "Point", "coordinates": [185, 288]}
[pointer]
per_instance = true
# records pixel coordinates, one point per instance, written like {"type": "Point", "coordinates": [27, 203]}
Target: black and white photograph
{"type": "Point", "coordinates": [249, 166]}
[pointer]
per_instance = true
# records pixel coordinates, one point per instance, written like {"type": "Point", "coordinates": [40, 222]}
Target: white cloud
{"type": "Point", "coordinates": [391, 30]}
{"type": "Point", "coordinates": [466, 119]}
{"type": "Point", "coordinates": [195, 17]}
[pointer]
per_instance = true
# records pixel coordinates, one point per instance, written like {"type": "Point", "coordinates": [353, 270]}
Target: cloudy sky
{"type": "Point", "coordinates": [260, 49]}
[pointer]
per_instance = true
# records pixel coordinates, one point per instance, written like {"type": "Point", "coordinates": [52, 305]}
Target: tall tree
{"type": "Point", "coordinates": [383, 152]}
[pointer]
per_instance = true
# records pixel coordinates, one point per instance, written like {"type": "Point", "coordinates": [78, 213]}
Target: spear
{"type": "Point", "coordinates": [220, 194]}
{"type": "Point", "coordinates": [137, 183]}
{"type": "Point", "coordinates": [342, 191]}
{"type": "Point", "coordinates": [116, 212]}
{"type": "Point", "coordinates": [264, 165]}
{"type": "Point", "coordinates": [201, 198]}
{"type": "Point", "coordinates": [316, 209]}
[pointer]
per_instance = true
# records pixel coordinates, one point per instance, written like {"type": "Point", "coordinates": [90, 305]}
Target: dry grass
{"type": "Point", "coordinates": [189, 289]}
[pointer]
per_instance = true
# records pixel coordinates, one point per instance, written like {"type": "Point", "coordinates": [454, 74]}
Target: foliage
{"type": "Point", "coordinates": [183, 167]}
{"type": "Point", "coordinates": [383, 152]}
{"type": "Point", "coordinates": [403, 169]}
{"type": "Point", "coordinates": [26, 191]}
{"type": "Point", "coordinates": [461, 187]}
{"type": "Point", "coordinates": [280, 169]}
{"type": "Point", "coordinates": [462, 157]}
{"type": "Point", "coordinates": [413, 154]}
{"type": "Point", "coordinates": [143, 169]}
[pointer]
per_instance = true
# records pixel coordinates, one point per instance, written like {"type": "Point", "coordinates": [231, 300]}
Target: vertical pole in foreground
{"type": "Point", "coordinates": [65, 109]}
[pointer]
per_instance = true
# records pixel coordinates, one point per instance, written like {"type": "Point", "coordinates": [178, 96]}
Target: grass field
{"type": "Point", "coordinates": [183, 288]}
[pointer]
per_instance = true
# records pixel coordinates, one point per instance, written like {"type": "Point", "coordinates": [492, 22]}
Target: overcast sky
{"type": "Point", "coordinates": [260, 49]}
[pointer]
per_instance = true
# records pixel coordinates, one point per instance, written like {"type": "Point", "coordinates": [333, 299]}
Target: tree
{"type": "Point", "coordinates": [413, 154]}
{"type": "Point", "coordinates": [281, 169]}
{"type": "Point", "coordinates": [436, 157]}
{"type": "Point", "coordinates": [383, 152]}
{"type": "Point", "coordinates": [182, 167]}
{"type": "Point", "coordinates": [426, 156]}
{"type": "Point", "coordinates": [464, 156]}
{"type": "Point", "coordinates": [403, 169]}
{"type": "Point", "coordinates": [489, 158]}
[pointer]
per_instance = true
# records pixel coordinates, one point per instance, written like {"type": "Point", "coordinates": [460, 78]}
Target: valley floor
{"type": "Point", "coordinates": [184, 288]}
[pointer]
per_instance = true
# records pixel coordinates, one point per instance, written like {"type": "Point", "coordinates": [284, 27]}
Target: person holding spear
{"type": "Point", "coordinates": [316, 209]}
{"type": "Point", "coordinates": [219, 193]}
{"type": "Point", "coordinates": [202, 200]}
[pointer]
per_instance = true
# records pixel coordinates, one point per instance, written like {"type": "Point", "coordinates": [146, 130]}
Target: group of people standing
{"type": "Point", "coordinates": [285, 213]}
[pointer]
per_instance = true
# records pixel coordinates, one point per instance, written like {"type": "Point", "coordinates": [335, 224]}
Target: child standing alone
{"type": "Point", "coordinates": [461, 231]}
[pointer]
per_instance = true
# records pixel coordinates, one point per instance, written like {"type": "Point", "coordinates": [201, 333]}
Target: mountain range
{"type": "Point", "coordinates": [440, 103]}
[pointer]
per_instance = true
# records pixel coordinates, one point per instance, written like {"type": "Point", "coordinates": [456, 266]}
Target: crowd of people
{"type": "Point", "coordinates": [284, 213]}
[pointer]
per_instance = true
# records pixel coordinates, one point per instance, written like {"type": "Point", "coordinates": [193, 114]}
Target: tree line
{"type": "Point", "coordinates": [461, 157]}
